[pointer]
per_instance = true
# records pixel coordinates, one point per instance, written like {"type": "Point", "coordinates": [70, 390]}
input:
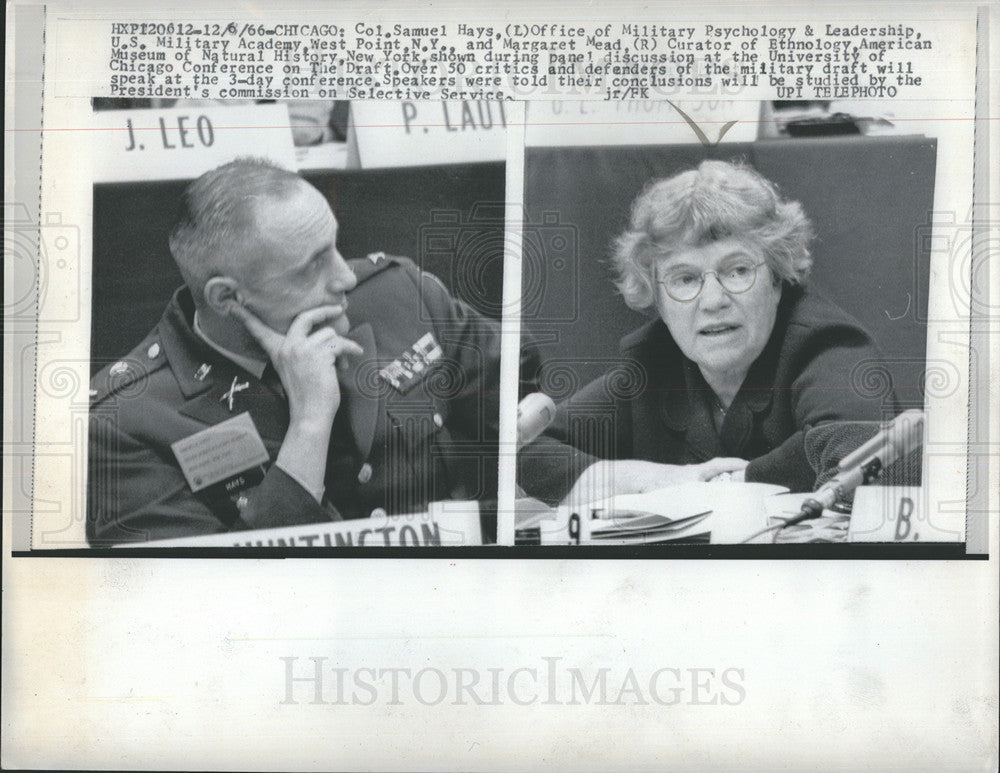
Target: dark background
{"type": "Point", "coordinates": [867, 198]}
{"type": "Point", "coordinates": [430, 214]}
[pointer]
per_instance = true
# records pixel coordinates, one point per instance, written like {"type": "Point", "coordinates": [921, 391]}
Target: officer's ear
{"type": "Point", "coordinates": [221, 292]}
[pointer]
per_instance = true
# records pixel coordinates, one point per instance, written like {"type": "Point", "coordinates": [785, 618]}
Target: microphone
{"type": "Point", "coordinates": [534, 414]}
{"type": "Point", "coordinates": [895, 440]}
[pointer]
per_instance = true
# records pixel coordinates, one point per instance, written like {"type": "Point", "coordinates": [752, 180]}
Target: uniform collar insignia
{"type": "Point", "coordinates": [233, 389]}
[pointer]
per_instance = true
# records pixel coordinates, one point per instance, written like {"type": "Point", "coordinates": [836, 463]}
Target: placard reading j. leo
{"type": "Point", "coordinates": [181, 143]}
{"type": "Point", "coordinates": [420, 133]}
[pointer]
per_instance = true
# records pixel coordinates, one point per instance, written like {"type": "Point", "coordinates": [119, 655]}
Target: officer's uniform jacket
{"type": "Point", "coordinates": [417, 422]}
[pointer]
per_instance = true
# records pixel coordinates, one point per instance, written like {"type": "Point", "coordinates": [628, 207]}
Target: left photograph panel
{"type": "Point", "coordinates": [295, 326]}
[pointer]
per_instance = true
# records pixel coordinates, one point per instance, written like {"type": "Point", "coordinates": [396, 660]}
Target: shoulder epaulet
{"type": "Point", "coordinates": [375, 263]}
{"type": "Point", "coordinates": [128, 371]}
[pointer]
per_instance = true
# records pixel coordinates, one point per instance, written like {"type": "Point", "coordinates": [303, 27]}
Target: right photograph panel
{"type": "Point", "coordinates": [731, 312]}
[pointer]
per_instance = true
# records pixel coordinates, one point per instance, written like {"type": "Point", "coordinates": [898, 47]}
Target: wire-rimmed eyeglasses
{"type": "Point", "coordinates": [684, 284]}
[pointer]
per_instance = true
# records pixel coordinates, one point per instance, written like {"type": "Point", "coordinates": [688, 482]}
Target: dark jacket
{"type": "Point", "coordinates": [655, 405]}
{"type": "Point", "coordinates": [392, 449]}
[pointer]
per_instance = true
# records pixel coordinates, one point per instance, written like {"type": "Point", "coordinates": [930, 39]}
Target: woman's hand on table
{"type": "Point", "coordinates": [723, 470]}
{"type": "Point", "coordinates": [632, 476]}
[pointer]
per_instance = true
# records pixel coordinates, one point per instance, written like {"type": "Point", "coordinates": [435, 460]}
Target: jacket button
{"type": "Point", "coordinates": [365, 473]}
{"type": "Point", "coordinates": [379, 512]}
{"type": "Point", "coordinates": [438, 421]}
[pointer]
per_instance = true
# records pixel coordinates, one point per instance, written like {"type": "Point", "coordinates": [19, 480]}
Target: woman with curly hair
{"type": "Point", "coordinates": [738, 364]}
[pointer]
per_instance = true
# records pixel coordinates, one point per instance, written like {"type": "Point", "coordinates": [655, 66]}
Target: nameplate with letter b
{"type": "Point", "coordinates": [899, 514]}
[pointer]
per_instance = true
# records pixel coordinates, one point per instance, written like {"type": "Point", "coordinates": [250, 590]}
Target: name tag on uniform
{"type": "Point", "coordinates": [411, 366]}
{"type": "Point", "coordinates": [220, 452]}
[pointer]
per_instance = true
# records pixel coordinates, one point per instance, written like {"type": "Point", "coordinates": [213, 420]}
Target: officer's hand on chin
{"type": "Point", "coordinates": [305, 359]}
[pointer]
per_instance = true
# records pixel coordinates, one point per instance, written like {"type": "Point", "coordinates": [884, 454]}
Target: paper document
{"type": "Point", "coordinates": [722, 513]}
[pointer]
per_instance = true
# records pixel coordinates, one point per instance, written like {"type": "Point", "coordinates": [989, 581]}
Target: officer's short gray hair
{"type": "Point", "coordinates": [217, 217]}
{"type": "Point", "coordinates": [716, 201]}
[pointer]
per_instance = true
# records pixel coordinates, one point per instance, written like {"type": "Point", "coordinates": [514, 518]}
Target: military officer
{"type": "Point", "coordinates": [287, 385]}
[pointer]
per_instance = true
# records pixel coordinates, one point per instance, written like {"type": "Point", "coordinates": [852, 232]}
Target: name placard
{"type": "Point", "coordinates": [182, 143]}
{"type": "Point", "coordinates": [387, 134]}
{"type": "Point", "coordinates": [899, 514]}
{"type": "Point", "coordinates": [649, 122]}
{"type": "Point", "coordinates": [445, 524]}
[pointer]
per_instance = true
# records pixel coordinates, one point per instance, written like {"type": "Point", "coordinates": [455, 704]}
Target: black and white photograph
{"type": "Point", "coordinates": [737, 323]}
{"type": "Point", "coordinates": [278, 349]}
{"type": "Point", "coordinates": [524, 386]}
